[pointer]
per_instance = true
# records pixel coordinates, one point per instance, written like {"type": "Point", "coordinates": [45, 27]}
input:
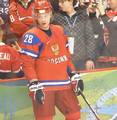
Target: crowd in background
{"type": "Point", "coordinates": [91, 25]}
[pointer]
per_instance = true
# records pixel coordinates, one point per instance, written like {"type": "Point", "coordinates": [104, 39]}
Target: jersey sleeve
{"type": "Point", "coordinates": [31, 45]}
{"type": "Point", "coordinates": [31, 49]}
{"type": "Point", "coordinates": [29, 67]}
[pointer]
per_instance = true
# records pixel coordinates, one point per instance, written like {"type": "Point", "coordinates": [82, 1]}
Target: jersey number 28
{"type": "Point", "coordinates": [28, 38]}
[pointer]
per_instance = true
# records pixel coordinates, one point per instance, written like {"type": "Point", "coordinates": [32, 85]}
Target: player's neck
{"type": "Point", "coordinates": [44, 28]}
{"type": "Point", "coordinates": [47, 31]}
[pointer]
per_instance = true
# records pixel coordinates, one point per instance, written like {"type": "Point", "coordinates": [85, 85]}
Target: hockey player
{"type": "Point", "coordinates": [20, 13]}
{"type": "Point", "coordinates": [45, 62]}
{"type": "Point", "coordinates": [10, 64]}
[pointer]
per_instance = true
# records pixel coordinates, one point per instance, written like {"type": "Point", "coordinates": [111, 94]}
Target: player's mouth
{"type": "Point", "coordinates": [44, 24]}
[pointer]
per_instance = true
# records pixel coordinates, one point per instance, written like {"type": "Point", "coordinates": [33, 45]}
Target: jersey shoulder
{"type": "Point", "coordinates": [58, 28]}
{"type": "Point", "coordinates": [31, 37]}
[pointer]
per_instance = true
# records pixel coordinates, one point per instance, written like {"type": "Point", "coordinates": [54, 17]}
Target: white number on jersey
{"type": "Point", "coordinates": [28, 38]}
{"type": "Point", "coordinates": [12, 18]}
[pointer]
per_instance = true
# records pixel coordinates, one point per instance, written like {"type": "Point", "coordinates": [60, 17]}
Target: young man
{"type": "Point", "coordinates": [45, 61]}
{"type": "Point", "coordinates": [10, 62]}
{"type": "Point", "coordinates": [78, 26]}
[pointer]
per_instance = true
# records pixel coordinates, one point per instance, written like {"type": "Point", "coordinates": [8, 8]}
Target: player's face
{"type": "Point", "coordinates": [43, 20]}
{"type": "Point", "coordinates": [113, 4]}
{"type": "Point", "coordinates": [65, 4]}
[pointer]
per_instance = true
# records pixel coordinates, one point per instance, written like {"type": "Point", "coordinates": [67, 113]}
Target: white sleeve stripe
{"type": "Point", "coordinates": [5, 71]}
{"type": "Point", "coordinates": [8, 71]}
{"type": "Point", "coordinates": [16, 71]}
{"type": "Point", "coordinates": [28, 53]}
{"type": "Point", "coordinates": [54, 83]}
{"type": "Point", "coordinates": [42, 84]}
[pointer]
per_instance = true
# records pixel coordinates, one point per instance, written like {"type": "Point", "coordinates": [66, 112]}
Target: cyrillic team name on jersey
{"type": "Point", "coordinates": [58, 59]}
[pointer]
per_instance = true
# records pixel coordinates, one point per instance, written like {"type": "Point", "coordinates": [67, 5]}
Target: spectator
{"type": "Point", "coordinates": [108, 57]}
{"type": "Point", "coordinates": [94, 10]}
{"type": "Point", "coordinates": [78, 26]}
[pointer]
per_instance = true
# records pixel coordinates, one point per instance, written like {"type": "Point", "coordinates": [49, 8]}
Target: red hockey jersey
{"type": "Point", "coordinates": [46, 58]}
{"type": "Point", "coordinates": [20, 16]}
{"type": "Point", "coordinates": [9, 59]}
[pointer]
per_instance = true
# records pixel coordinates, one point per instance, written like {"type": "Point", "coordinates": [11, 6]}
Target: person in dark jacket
{"type": "Point", "coordinates": [77, 26]}
{"type": "Point", "coordinates": [108, 57]}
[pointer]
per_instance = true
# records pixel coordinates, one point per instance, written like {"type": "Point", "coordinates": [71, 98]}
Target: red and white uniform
{"type": "Point", "coordinates": [20, 14]}
{"type": "Point", "coordinates": [48, 58]}
{"type": "Point", "coordinates": [9, 59]}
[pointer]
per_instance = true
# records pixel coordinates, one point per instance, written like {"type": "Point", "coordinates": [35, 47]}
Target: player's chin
{"type": "Point", "coordinates": [44, 26]}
